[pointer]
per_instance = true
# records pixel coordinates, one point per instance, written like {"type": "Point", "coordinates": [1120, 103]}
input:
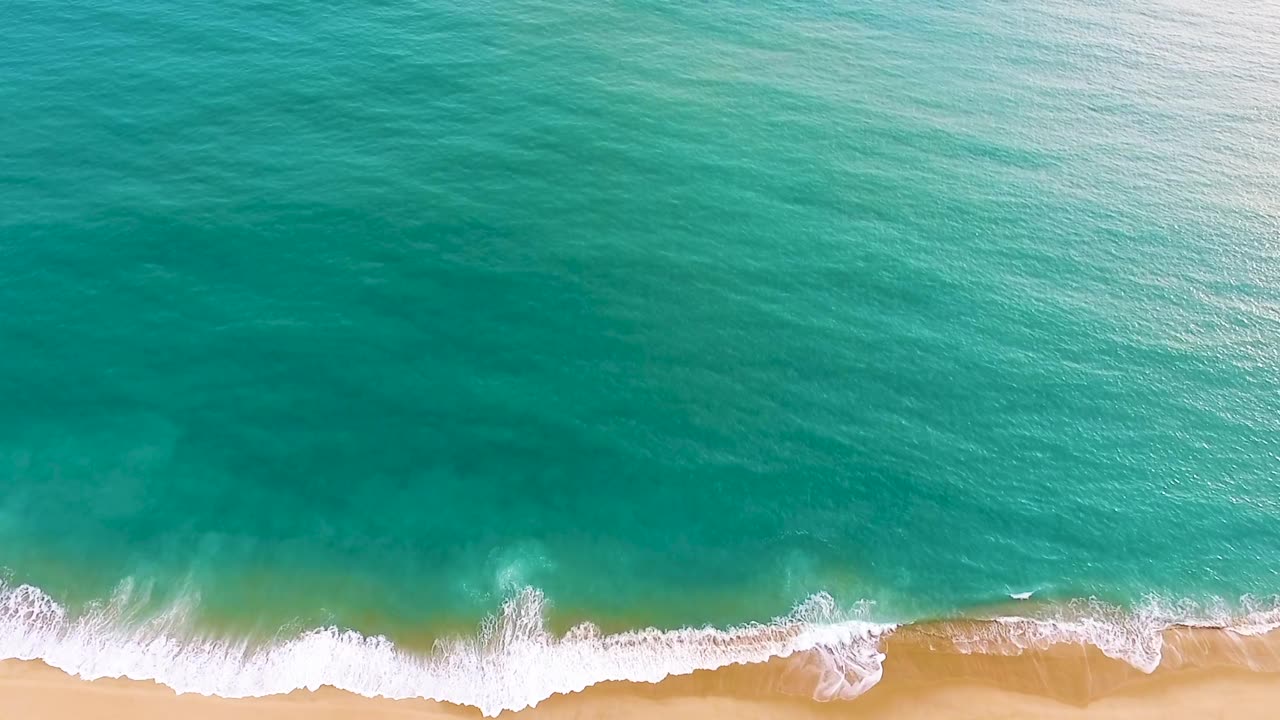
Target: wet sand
{"type": "Point", "coordinates": [1205, 674]}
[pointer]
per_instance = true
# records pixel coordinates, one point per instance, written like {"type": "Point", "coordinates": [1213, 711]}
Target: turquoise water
{"type": "Point", "coordinates": [372, 315]}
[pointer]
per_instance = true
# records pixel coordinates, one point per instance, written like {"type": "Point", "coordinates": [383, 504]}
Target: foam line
{"type": "Point", "coordinates": [514, 662]}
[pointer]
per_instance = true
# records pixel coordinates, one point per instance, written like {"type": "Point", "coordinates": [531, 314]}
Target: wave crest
{"type": "Point", "coordinates": [514, 661]}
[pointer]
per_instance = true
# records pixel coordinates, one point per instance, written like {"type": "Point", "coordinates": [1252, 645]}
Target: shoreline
{"type": "Point", "coordinates": [1207, 672]}
{"type": "Point", "coordinates": [1073, 655]}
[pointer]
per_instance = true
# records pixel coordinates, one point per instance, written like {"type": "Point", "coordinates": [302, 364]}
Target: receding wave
{"type": "Point", "coordinates": [513, 661]}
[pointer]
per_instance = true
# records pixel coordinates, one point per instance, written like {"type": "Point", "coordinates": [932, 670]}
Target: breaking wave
{"type": "Point", "coordinates": [514, 661]}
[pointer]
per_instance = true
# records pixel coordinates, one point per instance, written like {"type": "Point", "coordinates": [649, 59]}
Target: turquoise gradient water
{"type": "Point", "coordinates": [373, 313]}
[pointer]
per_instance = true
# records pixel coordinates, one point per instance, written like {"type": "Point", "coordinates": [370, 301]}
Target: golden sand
{"type": "Point", "coordinates": [1206, 674]}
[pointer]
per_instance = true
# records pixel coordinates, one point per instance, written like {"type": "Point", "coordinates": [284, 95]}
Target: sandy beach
{"type": "Point", "coordinates": [582, 360]}
{"type": "Point", "coordinates": [1205, 675]}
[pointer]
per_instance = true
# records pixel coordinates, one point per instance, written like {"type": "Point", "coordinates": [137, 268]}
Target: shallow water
{"type": "Point", "coordinates": [372, 315]}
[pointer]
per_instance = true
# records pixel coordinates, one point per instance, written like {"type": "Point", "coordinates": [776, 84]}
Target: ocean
{"type": "Point", "coordinates": [483, 351]}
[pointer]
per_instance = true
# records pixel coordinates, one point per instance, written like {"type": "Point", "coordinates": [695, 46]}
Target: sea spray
{"type": "Point", "coordinates": [513, 661]}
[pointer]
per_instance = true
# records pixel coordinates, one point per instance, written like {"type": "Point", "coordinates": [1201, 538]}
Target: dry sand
{"type": "Point", "coordinates": [1205, 675]}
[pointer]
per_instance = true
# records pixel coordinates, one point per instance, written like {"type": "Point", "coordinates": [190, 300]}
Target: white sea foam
{"type": "Point", "coordinates": [1259, 617]}
{"type": "Point", "coordinates": [1134, 636]}
{"type": "Point", "coordinates": [514, 662]}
